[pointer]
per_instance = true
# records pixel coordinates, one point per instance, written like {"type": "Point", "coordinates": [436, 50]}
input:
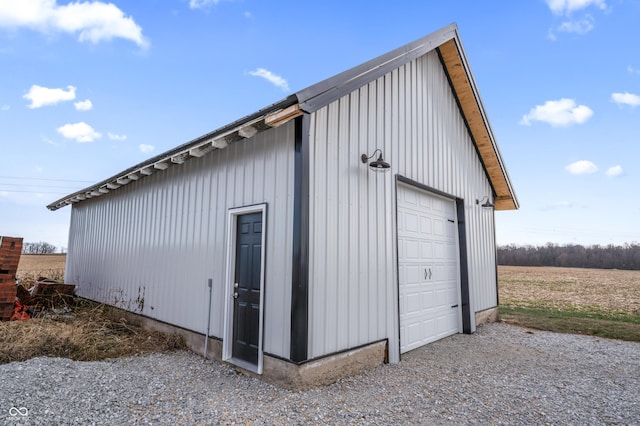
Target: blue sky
{"type": "Point", "coordinates": [88, 89]}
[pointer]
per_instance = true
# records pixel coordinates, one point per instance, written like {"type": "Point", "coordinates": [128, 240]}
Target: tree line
{"type": "Point", "coordinates": [40, 247]}
{"type": "Point", "coordinates": [611, 256]}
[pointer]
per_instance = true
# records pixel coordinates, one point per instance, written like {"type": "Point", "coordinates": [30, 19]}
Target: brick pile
{"type": "Point", "coordinates": [10, 250]}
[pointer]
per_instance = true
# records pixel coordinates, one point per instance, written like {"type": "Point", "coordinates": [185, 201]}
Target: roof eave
{"type": "Point", "coordinates": [457, 67]}
{"type": "Point", "coordinates": [271, 116]}
{"type": "Point", "coordinates": [446, 41]}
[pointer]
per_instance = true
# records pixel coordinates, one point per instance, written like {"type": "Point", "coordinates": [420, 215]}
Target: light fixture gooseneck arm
{"type": "Point", "coordinates": [378, 165]}
{"type": "Point", "coordinates": [366, 159]}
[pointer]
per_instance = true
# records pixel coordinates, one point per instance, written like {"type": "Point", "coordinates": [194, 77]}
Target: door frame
{"type": "Point", "coordinates": [227, 339]}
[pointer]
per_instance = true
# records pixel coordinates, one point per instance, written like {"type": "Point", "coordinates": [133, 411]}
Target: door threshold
{"type": "Point", "coordinates": [244, 364]}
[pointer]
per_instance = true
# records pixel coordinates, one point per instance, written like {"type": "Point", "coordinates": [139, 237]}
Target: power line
{"type": "Point", "coordinates": [38, 186]}
{"type": "Point", "coordinates": [46, 179]}
{"type": "Point", "coordinates": [33, 192]}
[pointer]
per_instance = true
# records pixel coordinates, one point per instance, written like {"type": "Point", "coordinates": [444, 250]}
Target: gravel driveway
{"type": "Point", "coordinates": [500, 375]}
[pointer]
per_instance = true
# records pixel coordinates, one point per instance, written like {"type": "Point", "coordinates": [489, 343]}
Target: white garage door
{"type": "Point", "coordinates": [430, 307]}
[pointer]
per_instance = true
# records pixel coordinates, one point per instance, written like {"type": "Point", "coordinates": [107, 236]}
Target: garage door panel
{"type": "Point", "coordinates": [428, 268]}
{"type": "Point", "coordinates": [411, 249]}
{"type": "Point", "coordinates": [429, 328]}
{"type": "Point", "coordinates": [411, 222]}
{"type": "Point", "coordinates": [412, 302]}
{"type": "Point", "coordinates": [424, 202]}
{"type": "Point", "coordinates": [438, 228]}
{"type": "Point", "coordinates": [417, 300]}
{"type": "Point", "coordinates": [426, 250]}
{"type": "Point", "coordinates": [411, 199]}
{"type": "Point", "coordinates": [414, 274]}
{"type": "Point", "coordinates": [437, 204]}
{"type": "Point", "coordinates": [426, 226]}
{"type": "Point", "coordinates": [446, 297]}
{"type": "Point", "coordinates": [427, 301]}
{"type": "Point", "coordinates": [445, 272]}
{"type": "Point", "coordinates": [412, 332]}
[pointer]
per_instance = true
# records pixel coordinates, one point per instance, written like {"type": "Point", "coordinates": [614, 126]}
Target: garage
{"type": "Point", "coordinates": [365, 186]}
{"type": "Point", "coordinates": [429, 289]}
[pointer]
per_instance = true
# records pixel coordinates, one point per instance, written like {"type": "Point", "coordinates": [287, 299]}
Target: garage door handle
{"type": "Point", "coordinates": [454, 306]}
{"type": "Point", "coordinates": [427, 275]}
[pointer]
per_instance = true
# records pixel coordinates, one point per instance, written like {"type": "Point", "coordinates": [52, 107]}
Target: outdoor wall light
{"type": "Point", "coordinates": [378, 165]}
{"type": "Point", "coordinates": [486, 203]}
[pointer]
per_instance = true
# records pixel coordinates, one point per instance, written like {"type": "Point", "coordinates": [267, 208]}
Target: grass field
{"type": "Point", "coordinates": [597, 302]}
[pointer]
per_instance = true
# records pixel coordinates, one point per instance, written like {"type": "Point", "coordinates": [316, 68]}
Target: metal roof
{"type": "Point", "coordinates": [448, 45]}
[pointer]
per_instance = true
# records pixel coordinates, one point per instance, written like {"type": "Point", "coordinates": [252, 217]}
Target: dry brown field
{"type": "Point", "coordinates": [570, 288]}
{"type": "Point", "coordinates": [33, 266]}
{"type": "Point", "coordinates": [525, 286]}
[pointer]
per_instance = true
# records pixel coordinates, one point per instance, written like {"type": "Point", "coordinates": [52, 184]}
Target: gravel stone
{"type": "Point", "coordinates": [502, 375]}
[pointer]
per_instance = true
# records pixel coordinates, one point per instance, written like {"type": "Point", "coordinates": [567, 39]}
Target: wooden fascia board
{"type": "Point", "coordinates": [478, 125]}
{"type": "Point", "coordinates": [282, 116]}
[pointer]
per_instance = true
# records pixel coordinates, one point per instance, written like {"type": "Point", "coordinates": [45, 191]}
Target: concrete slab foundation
{"type": "Point", "coordinates": [487, 316]}
{"type": "Point", "coordinates": [326, 370]}
{"type": "Point", "coordinates": [318, 372]}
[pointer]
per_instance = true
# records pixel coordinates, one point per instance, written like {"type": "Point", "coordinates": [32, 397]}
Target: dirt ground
{"type": "Point", "coordinates": [570, 287]}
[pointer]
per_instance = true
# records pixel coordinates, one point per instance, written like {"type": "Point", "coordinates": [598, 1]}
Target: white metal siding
{"type": "Point", "coordinates": [412, 115]}
{"type": "Point", "coordinates": [161, 238]}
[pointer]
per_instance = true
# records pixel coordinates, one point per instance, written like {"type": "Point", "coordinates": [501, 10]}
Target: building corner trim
{"type": "Point", "coordinates": [300, 266]}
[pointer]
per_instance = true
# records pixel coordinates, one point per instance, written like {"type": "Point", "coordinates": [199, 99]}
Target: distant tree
{"type": "Point", "coordinates": [611, 256]}
{"type": "Point", "coordinates": [38, 248]}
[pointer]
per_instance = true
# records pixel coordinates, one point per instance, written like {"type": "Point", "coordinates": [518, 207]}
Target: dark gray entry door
{"type": "Point", "coordinates": [246, 306]}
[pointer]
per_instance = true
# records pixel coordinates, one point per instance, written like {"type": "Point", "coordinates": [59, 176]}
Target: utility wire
{"type": "Point", "coordinates": [33, 192]}
{"type": "Point", "coordinates": [45, 179]}
{"type": "Point", "coordinates": [38, 186]}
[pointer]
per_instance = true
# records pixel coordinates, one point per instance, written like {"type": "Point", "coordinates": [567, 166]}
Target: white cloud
{"type": "Point", "coordinates": [43, 96]}
{"type": "Point", "coordinates": [80, 132]}
{"type": "Point", "coordinates": [614, 171]}
{"type": "Point", "coordinates": [566, 7]}
{"type": "Point", "coordinates": [581, 27]}
{"type": "Point", "coordinates": [5, 108]}
{"type": "Point", "coordinates": [626, 99]}
{"type": "Point", "coordinates": [116, 137]}
{"type": "Point", "coordinates": [83, 105]}
{"type": "Point", "coordinates": [581, 167]}
{"type": "Point", "coordinates": [145, 149]}
{"type": "Point", "coordinates": [272, 78]}
{"type": "Point", "coordinates": [201, 4]}
{"type": "Point", "coordinates": [632, 70]}
{"type": "Point", "coordinates": [93, 21]}
{"type": "Point", "coordinates": [563, 112]}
